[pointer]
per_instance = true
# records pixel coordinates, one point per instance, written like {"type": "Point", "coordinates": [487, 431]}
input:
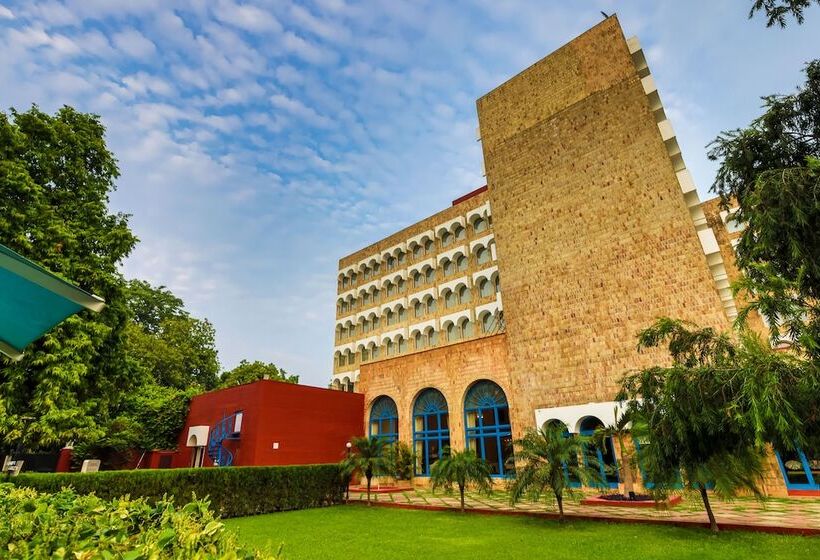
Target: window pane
{"type": "Point", "coordinates": [793, 465]}
{"type": "Point", "coordinates": [445, 421]}
{"type": "Point", "coordinates": [487, 417]}
{"type": "Point", "coordinates": [432, 422]}
{"type": "Point", "coordinates": [503, 415]}
{"type": "Point", "coordinates": [491, 453]}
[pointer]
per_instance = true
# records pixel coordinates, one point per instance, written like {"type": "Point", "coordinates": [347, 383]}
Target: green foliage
{"type": "Point", "coordinates": [771, 171]}
{"type": "Point", "coordinates": [626, 425]}
{"type": "Point", "coordinates": [248, 372]}
{"type": "Point", "coordinates": [232, 491]}
{"type": "Point", "coordinates": [368, 457]}
{"type": "Point", "coordinates": [67, 525]}
{"type": "Point", "coordinates": [544, 459]}
{"type": "Point", "coordinates": [777, 10]}
{"type": "Point", "coordinates": [400, 459]}
{"type": "Point", "coordinates": [167, 345]}
{"type": "Point", "coordinates": [56, 174]}
{"type": "Point", "coordinates": [463, 469]}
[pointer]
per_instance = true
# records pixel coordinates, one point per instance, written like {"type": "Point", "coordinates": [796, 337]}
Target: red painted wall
{"type": "Point", "coordinates": [310, 424]}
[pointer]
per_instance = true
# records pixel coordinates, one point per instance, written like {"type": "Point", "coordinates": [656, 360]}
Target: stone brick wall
{"type": "Point", "coordinates": [451, 369]}
{"type": "Point", "coordinates": [594, 239]}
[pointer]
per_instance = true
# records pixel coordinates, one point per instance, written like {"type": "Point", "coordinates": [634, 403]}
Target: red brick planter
{"type": "Point", "coordinates": [672, 501]}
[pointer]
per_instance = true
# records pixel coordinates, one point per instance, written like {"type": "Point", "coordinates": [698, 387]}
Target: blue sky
{"type": "Point", "coordinates": [261, 141]}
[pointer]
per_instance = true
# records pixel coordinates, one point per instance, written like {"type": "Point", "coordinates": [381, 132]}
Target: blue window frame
{"type": "Point", "coordinates": [384, 419]}
{"type": "Point", "coordinates": [487, 426]}
{"type": "Point", "coordinates": [607, 462]}
{"type": "Point", "coordinates": [431, 429]}
{"type": "Point", "coordinates": [799, 471]}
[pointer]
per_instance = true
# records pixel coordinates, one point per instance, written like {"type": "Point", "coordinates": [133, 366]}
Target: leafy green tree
{"type": "Point", "coordinates": [400, 458]}
{"type": "Point", "coordinates": [776, 11]}
{"type": "Point", "coordinates": [56, 174]}
{"type": "Point", "coordinates": [248, 372]}
{"type": "Point", "coordinates": [625, 426]}
{"type": "Point", "coordinates": [462, 469]}
{"type": "Point", "coordinates": [710, 414]}
{"type": "Point", "coordinates": [368, 457]}
{"type": "Point", "coordinates": [771, 171]}
{"type": "Point", "coordinates": [546, 458]}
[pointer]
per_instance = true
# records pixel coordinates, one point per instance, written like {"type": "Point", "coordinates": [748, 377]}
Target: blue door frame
{"type": "Point", "coordinates": [811, 483]}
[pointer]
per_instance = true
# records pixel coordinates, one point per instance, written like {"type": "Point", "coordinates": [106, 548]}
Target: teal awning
{"type": "Point", "coordinates": [33, 300]}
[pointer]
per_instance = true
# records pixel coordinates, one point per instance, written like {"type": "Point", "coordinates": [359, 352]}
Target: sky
{"type": "Point", "coordinates": [259, 142]}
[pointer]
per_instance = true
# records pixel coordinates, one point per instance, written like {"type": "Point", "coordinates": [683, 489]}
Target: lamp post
{"type": "Point", "coordinates": [348, 445]}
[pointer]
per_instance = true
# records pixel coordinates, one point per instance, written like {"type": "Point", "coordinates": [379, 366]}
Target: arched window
{"type": "Point", "coordinates": [433, 338]}
{"type": "Point", "coordinates": [487, 322]}
{"type": "Point", "coordinates": [418, 309]}
{"type": "Point", "coordinates": [605, 456]}
{"type": "Point", "coordinates": [374, 352]}
{"type": "Point", "coordinates": [450, 299]}
{"type": "Point", "coordinates": [376, 268]}
{"type": "Point", "coordinates": [428, 246]}
{"type": "Point", "coordinates": [430, 275]}
{"type": "Point", "coordinates": [483, 256]}
{"type": "Point", "coordinates": [449, 267]}
{"type": "Point", "coordinates": [365, 355]}
{"type": "Point", "coordinates": [431, 429]}
{"type": "Point", "coordinates": [460, 233]}
{"type": "Point", "coordinates": [391, 263]}
{"type": "Point", "coordinates": [417, 251]}
{"type": "Point", "coordinates": [401, 257]}
{"type": "Point", "coordinates": [402, 285]}
{"type": "Point", "coordinates": [461, 263]}
{"type": "Point", "coordinates": [391, 317]}
{"type": "Point", "coordinates": [487, 425]}
{"type": "Point", "coordinates": [464, 295]}
{"type": "Point", "coordinates": [402, 314]}
{"type": "Point", "coordinates": [418, 279]}
{"type": "Point", "coordinates": [389, 347]}
{"type": "Point", "coordinates": [446, 239]}
{"type": "Point", "coordinates": [431, 304]}
{"type": "Point", "coordinates": [452, 332]}
{"type": "Point", "coordinates": [366, 298]}
{"type": "Point", "coordinates": [480, 224]}
{"type": "Point", "coordinates": [418, 341]}
{"type": "Point", "coordinates": [366, 274]}
{"type": "Point", "coordinates": [467, 328]}
{"type": "Point", "coordinates": [384, 419]}
{"type": "Point", "coordinates": [376, 322]}
{"type": "Point", "coordinates": [485, 288]}
{"type": "Point", "coordinates": [402, 345]}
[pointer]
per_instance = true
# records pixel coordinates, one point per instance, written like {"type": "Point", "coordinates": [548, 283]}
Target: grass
{"type": "Point", "coordinates": [363, 533]}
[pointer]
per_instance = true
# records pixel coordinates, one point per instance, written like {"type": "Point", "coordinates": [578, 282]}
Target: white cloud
{"type": "Point", "coordinates": [307, 51]}
{"type": "Point", "coordinates": [247, 17]}
{"type": "Point", "coordinates": [134, 44]}
{"type": "Point", "coordinates": [288, 75]}
{"type": "Point", "coordinates": [6, 13]}
{"type": "Point", "coordinates": [300, 111]}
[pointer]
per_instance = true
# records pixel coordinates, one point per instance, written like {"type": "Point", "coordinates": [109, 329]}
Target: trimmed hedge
{"type": "Point", "coordinates": [232, 491]}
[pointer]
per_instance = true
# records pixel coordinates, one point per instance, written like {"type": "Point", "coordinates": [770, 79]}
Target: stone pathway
{"type": "Point", "coordinates": [798, 515]}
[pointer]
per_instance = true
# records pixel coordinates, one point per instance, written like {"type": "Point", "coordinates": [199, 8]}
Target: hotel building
{"type": "Point", "coordinates": [520, 303]}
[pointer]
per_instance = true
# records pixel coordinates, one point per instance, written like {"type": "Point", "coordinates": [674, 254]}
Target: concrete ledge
{"type": "Point", "coordinates": [672, 501]}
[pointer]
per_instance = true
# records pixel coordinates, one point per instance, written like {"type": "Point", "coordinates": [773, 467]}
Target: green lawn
{"type": "Point", "coordinates": [361, 533]}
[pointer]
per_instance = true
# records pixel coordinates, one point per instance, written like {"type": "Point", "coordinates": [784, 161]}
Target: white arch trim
{"type": "Point", "coordinates": [344, 347]}
{"type": "Point", "coordinates": [486, 273]}
{"type": "Point", "coordinates": [574, 414]}
{"type": "Point", "coordinates": [419, 296]}
{"type": "Point", "coordinates": [455, 317]}
{"type": "Point", "coordinates": [391, 251]}
{"type": "Point", "coordinates": [482, 242]}
{"type": "Point", "coordinates": [348, 269]}
{"type": "Point", "coordinates": [449, 225]}
{"type": "Point", "coordinates": [197, 436]}
{"type": "Point", "coordinates": [417, 239]}
{"type": "Point", "coordinates": [449, 254]}
{"type": "Point", "coordinates": [420, 327]}
{"type": "Point", "coordinates": [392, 335]}
{"type": "Point", "coordinates": [482, 211]}
{"type": "Point", "coordinates": [452, 284]}
{"type": "Point", "coordinates": [392, 304]}
{"type": "Point", "coordinates": [419, 266]}
{"type": "Point", "coordinates": [367, 313]}
{"type": "Point", "coordinates": [491, 307]}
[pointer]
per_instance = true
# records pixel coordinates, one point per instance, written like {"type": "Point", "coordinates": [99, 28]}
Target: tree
{"type": "Point", "coordinates": [777, 10]}
{"type": "Point", "coordinates": [248, 372]}
{"type": "Point", "coordinates": [400, 459]}
{"type": "Point", "coordinates": [771, 171]}
{"type": "Point", "coordinates": [368, 457]}
{"type": "Point", "coordinates": [710, 414]}
{"type": "Point", "coordinates": [624, 426]}
{"type": "Point", "coordinates": [546, 458]}
{"type": "Point", "coordinates": [463, 469]}
{"type": "Point", "coordinates": [56, 174]}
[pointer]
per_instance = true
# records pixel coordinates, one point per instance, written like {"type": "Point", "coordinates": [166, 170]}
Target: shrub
{"type": "Point", "coordinates": [233, 492]}
{"type": "Point", "coordinates": [68, 525]}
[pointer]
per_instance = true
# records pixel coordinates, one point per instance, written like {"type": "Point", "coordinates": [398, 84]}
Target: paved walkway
{"type": "Point", "coordinates": [793, 515]}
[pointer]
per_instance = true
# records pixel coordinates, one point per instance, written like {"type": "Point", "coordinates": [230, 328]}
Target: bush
{"type": "Point", "coordinates": [232, 491]}
{"type": "Point", "coordinates": [68, 525]}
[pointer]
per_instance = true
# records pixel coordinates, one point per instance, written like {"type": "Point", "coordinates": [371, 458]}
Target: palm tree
{"type": "Point", "coordinates": [618, 432]}
{"type": "Point", "coordinates": [462, 468]}
{"type": "Point", "coordinates": [368, 457]}
{"type": "Point", "coordinates": [546, 458]}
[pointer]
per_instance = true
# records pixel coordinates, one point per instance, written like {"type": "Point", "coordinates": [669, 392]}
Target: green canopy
{"type": "Point", "coordinates": [32, 301]}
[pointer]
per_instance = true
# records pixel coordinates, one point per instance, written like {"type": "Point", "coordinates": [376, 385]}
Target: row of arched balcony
{"type": "Point", "coordinates": [477, 224]}
{"type": "Point", "coordinates": [420, 305]}
{"type": "Point", "coordinates": [422, 337]}
{"type": "Point", "coordinates": [418, 276]}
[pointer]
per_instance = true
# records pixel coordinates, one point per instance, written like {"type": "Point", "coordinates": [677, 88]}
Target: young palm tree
{"type": "Point", "coordinates": [546, 458]}
{"type": "Point", "coordinates": [462, 468]}
{"type": "Point", "coordinates": [619, 431]}
{"type": "Point", "coordinates": [368, 457]}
